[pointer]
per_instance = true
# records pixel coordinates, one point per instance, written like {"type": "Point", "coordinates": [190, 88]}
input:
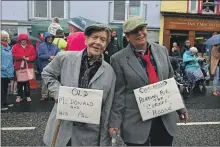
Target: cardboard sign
{"type": "Point", "coordinates": [80, 105]}
{"type": "Point", "coordinates": [158, 99]}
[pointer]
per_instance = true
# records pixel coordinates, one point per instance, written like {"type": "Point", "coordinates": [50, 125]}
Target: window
{"type": "Point", "coordinates": [49, 9]}
{"type": "Point", "coordinates": [193, 6]}
{"type": "Point", "coordinates": [40, 8]}
{"type": "Point", "coordinates": [122, 10]}
{"type": "Point", "coordinates": [57, 9]}
{"type": "Point", "coordinates": [208, 7]}
{"type": "Point", "coordinates": [119, 10]}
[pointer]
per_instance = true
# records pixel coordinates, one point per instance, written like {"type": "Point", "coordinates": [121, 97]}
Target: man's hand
{"type": "Point", "coordinates": [184, 117]}
{"type": "Point", "coordinates": [111, 130]}
{"type": "Point", "coordinates": [106, 52]}
{"type": "Point", "coordinates": [51, 57]}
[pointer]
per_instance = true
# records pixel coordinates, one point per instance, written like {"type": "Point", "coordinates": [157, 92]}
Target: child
{"type": "Point", "coordinates": [54, 26]}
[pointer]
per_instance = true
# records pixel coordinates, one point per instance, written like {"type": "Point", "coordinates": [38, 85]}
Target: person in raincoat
{"type": "Point", "coordinates": [76, 38]}
{"type": "Point", "coordinates": [59, 40]}
{"type": "Point", "coordinates": [192, 68]}
{"type": "Point", "coordinates": [22, 51]}
{"type": "Point", "coordinates": [46, 53]}
{"type": "Point", "coordinates": [7, 69]}
{"type": "Point", "coordinates": [83, 69]}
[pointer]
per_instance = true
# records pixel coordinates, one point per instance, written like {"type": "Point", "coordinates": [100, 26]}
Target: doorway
{"type": "Point", "coordinates": [179, 37]}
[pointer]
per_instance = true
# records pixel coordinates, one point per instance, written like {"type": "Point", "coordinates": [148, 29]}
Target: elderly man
{"type": "Point", "coordinates": [139, 64]}
{"type": "Point", "coordinates": [76, 38]}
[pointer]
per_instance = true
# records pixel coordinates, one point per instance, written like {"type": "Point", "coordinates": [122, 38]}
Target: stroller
{"type": "Point", "coordinates": [184, 85]}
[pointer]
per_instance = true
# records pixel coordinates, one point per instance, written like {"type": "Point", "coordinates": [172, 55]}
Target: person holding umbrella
{"type": "Point", "coordinates": [76, 38]}
{"type": "Point", "coordinates": [214, 41]}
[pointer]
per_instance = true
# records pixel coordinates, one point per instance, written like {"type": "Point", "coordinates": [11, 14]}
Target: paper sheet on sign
{"type": "Point", "coordinates": [158, 99]}
{"type": "Point", "coordinates": [80, 105]}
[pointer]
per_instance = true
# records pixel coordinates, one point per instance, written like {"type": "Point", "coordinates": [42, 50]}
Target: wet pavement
{"type": "Point", "coordinates": [202, 108]}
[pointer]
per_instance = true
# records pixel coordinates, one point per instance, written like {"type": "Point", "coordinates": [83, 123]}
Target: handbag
{"type": "Point", "coordinates": [26, 74]}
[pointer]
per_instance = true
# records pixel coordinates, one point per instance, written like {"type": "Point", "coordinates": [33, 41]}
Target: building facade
{"type": "Point", "coordinates": [189, 20]}
{"type": "Point", "coordinates": [19, 15]}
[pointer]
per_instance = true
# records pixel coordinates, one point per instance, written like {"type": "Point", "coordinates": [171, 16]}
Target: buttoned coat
{"type": "Point", "coordinates": [131, 75]}
{"type": "Point", "coordinates": [66, 65]}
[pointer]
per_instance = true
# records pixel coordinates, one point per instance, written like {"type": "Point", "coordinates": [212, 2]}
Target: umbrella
{"type": "Point", "coordinates": [30, 37]}
{"type": "Point", "coordinates": [214, 40]}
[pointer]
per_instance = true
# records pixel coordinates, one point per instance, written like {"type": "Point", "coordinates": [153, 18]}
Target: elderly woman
{"type": "Point", "coordinates": [7, 69]}
{"type": "Point", "coordinates": [23, 51]}
{"type": "Point", "coordinates": [84, 69]}
{"type": "Point", "coordinates": [192, 68]}
{"type": "Point", "coordinates": [141, 63]}
{"type": "Point", "coordinates": [215, 64]}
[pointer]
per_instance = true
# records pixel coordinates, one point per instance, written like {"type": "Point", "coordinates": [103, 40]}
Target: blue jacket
{"type": "Point", "coordinates": [46, 50]}
{"type": "Point", "coordinates": [7, 67]}
{"type": "Point", "coordinates": [191, 62]}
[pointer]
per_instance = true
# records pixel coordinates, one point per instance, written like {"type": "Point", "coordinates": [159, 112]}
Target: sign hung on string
{"type": "Point", "coordinates": [158, 99]}
{"type": "Point", "coordinates": [80, 105]}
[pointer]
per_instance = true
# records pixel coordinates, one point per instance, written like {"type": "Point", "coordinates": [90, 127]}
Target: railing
{"type": "Point", "coordinates": [126, 12]}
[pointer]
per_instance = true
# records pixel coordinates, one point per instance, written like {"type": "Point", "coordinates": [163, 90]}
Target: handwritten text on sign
{"type": "Point", "coordinates": [80, 105]}
{"type": "Point", "coordinates": [158, 99]}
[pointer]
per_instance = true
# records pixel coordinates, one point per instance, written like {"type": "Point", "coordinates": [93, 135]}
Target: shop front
{"type": "Point", "coordinates": [195, 28]}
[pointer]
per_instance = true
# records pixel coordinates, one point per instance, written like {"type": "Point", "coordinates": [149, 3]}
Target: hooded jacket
{"type": "Point", "coordinates": [76, 41]}
{"type": "Point", "coordinates": [19, 52]}
{"type": "Point", "coordinates": [46, 50]}
{"type": "Point", "coordinates": [7, 67]}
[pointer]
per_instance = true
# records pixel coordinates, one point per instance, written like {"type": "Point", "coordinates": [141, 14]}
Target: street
{"type": "Point", "coordinates": [24, 124]}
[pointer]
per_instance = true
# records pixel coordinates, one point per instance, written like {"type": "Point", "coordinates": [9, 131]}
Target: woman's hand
{"type": "Point", "coordinates": [184, 117]}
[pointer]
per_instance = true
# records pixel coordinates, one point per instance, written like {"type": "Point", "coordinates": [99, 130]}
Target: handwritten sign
{"type": "Point", "coordinates": [80, 105]}
{"type": "Point", "coordinates": [158, 99]}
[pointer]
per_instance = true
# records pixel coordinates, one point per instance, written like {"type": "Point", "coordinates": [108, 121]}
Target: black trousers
{"type": "Point", "coordinates": [158, 135]}
{"type": "Point", "coordinates": [26, 86]}
{"type": "Point", "coordinates": [4, 90]}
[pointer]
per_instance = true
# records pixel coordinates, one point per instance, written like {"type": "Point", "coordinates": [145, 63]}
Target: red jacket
{"type": "Point", "coordinates": [76, 41]}
{"type": "Point", "coordinates": [19, 52]}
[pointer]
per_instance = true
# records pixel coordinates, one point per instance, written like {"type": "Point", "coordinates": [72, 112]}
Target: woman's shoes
{"type": "Point", "coordinates": [215, 93]}
{"type": "Point", "coordinates": [18, 99]}
{"type": "Point", "coordinates": [28, 99]}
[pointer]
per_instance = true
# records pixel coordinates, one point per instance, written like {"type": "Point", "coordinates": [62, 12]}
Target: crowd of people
{"type": "Point", "coordinates": [192, 67]}
{"type": "Point", "coordinates": [95, 62]}
{"type": "Point", "coordinates": [22, 55]}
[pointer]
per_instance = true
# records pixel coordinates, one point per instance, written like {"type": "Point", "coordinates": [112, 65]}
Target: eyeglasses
{"type": "Point", "coordinates": [136, 31]}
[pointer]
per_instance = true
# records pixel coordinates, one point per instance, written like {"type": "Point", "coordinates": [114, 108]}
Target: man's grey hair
{"type": "Point", "coordinates": [4, 34]}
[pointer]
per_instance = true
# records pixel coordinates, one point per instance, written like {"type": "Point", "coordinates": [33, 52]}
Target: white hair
{"type": "Point", "coordinates": [193, 50]}
{"type": "Point", "coordinates": [4, 34]}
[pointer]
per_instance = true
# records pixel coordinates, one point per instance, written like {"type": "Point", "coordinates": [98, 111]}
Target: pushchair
{"type": "Point", "coordinates": [184, 85]}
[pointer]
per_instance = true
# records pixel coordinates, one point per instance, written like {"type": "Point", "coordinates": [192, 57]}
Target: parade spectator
{"type": "Point", "coordinates": [186, 46]}
{"type": "Point", "coordinates": [175, 50]}
{"type": "Point", "coordinates": [23, 52]}
{"type": "Point", "coordinates": [54, 26]}
{"type": "Point", "coordinates": [215, 67]}
{"type": "Point", "coordinates": [7, 69]}
{"type": "Point", "coordinates": [76, 38]}
{"type": "Point", "coordinates": [112, 47]}
{"type": "Point", "coordinates": [46, 53]}
{"type": "Point", "coordinates": [192, 68]}
{"type": "Point", "coordinates": [83, 69]}
{"type": "Point", "coordinates": [140, 64]}
{"type": "Point", "coordinates": [59, 40]}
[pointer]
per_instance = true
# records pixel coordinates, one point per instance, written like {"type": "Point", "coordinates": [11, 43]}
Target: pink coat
{"type": "Point", "coordinates": [76, 41]}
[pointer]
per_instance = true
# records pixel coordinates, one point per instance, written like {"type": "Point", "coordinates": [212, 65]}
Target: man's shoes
{"type": "Point", "coordinates": [10, 105]}
{"type": "Point", "coordinates": [4, 108]}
